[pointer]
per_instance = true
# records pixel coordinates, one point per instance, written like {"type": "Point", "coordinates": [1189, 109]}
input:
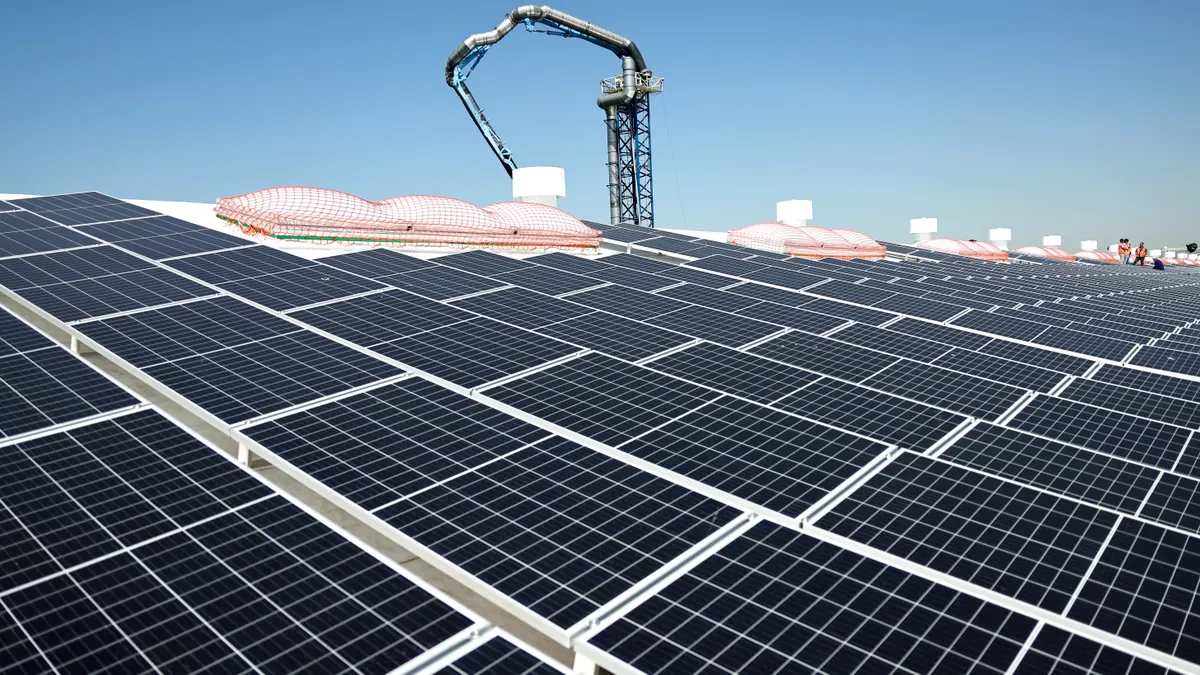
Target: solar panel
{"type": "Point", "coordinates": [376, 263]}
{"type": "Point", "coordinates": [1056, 651]}
{"type": "Point", "coordinates": [71, 200]}
{"type": "Point", "coordinates": [1116, 433]}
{"type": "Point", "coordinates": [42, 388]}
{"type": "Point", "coordinates": [377, 447]}
{"type": "Point", "coordinates": [697, 277]}
{"type": "Point", "coordinates": [734, 372]}
{"type": "Point", "coordinates": [1063, 469]}
{"type": "Point", "coordinates": [1175, 501]}
{"type": "Point", "coordinates": [566, 262]}
{"type": "Point", "coordinates": [481, 262]}
{"type": "Point", "coordinates": [547, 280]}
{"type": "Point", "coordinates": [280, 372]}
{"type": "Point", "coordinates": [715, 326]}
{"type": "Point", "coordinates": [23, 221]}
{"type": "Point", "coordinates": [786, 278]}
{"type": "Point", "coordinates": [41, 240]}
{"type": "Point", "coordinates": [627, 302]}
{"type": "Point", "coordinates": [17, 336]}
{"type": "Point", "coordinates": [636, 262]}
{"type": "Point", "coordinates": [475, 352]}
{"type": "Point", "coordinates": [5, 206]}
{"type": "Point", "coordinates": [1014, 540]}
{"type": "Point", "coordinates": [631, 278]}
{"type": "Point", "coordinates": [523, 308]}
{"type": "Point", "coordinates": [727, 265]}
{"type": "Point", "coordinates": [865, 315]}
{"type": "Point", "coordinates": [922, 307]}
{"type": "Point", "coordinates": [1134, 402]}
{"type": "Point", "coordinates": [179, 331]}
{"type": "Point", "coordinates": [97, 214]}
{"type": "Point", "coordinates": [667, 244]}
{"type": "Point", "coordinates": [1001, 370]}
{"type": "Point", "coordinates": [442, 283]}
{"type": "Point", "coordinates": [792, 317]}
{"type": "Point", "coordinates": [141, 228]}
{"type": "Point", "coordinates": [1144, 589]}
{"type": "Point", "coordinates": [1166, 385]}
{"type": "Point", "coordinates": [1171, 360]}
{"type": "Point", "coordinates": [1084, 343]}
{"type": "Point", "coordinates": [775, 600]}
{"type": "Point", "coordinates": [300, 287]}
{"type": "Point", "coordinates": [602, 398]}
{"type": "Point", "coordinates": [842, 290]}
{"type": "Point", "coordinates": [874, 414]}
{"type": "Point", "coordinates": [940, 333]}
{"type": "Point", "coordinates": [999, 324]}
{"type": "Point", "coordinates": [66, 266]}
{"type": "Point", "coordinates": [113, 293]}
{"type": "Point", "coordinates": [616, 336]}
{"type": "Point", "coordinates": [371, 319]}
{"type": "Point", "coordinates": [891, 342]}
{"type": "Point", "coordinates": [824, 355]}
{"type": "Point", "coordinates": [561, 529]}
{"type": "Point", "coordinates": [188, 243]}
{"type": "Point", "coordinates": [242, 263]}
{"type": "Point", "coordinates": [771, 294]}
{"type": "Point", "coordinates": [948, 389]}
{"type": "Point", "coordinates": [1036, 356]}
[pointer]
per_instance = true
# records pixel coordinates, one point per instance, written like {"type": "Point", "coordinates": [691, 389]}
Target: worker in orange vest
{"type": "Point", "coordinates": [1139, 256]}
{"type": "Point", "coordinates": [1123, 250]}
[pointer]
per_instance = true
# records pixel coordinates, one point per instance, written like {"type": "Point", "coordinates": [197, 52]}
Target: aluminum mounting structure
{"type": "Point", "coordinates": [625, 101]}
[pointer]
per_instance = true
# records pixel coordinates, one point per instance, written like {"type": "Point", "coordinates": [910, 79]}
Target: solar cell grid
{"type": "Point", "coordinates": [521, 307]}
{"type": "Point", "coordinates": [709, 297]}
{"type": "Point", "coordinates": [474, 352]}
{"type": "Point", "coordinates": [88, 298]}
{"type": "Point", "coordinates": [891, 342]}
{"type": "Point", "coordinates": [1135, 438]}
{"type": "Point", "coordinates": [922, 307]}
{"type": "Point", "coordinates": [46, 387]}
{"type": "Point", "coordinates": [1084, 343]}
{"type": "Point", "coordinates": [17, 336]}
{"type": "Point", "coordinates": [698, 277]}
{"type": "Point", "coordinates": [547, 280]}
{"type": "Point", "coordinates": [97, 214]}
{"type": "Point", "coordinates": [1175, 501]}
{"type": "Point", "coordinates": [865, 315]}
{"type": "Point", "coordinates": [242, 263]}
{"type": "Point", "coordinates": [50, 268]}
{"type": "Point", "coordinates": [42, 240]}
{"type": "Point", "coordinates": [300, 287]}
{"type": "Point", "coordinates": [734, 372]}
{"type": "Point", "coordinates": [940, 333]}
{"type": "Point", "coordinates": [5, 206]}
{"type": "Point", "coordinates": [1058, 467]}
{"type": "Point", "coordinates": [1170, 360]}
{"type": "Point", "coordinates": [376, 447]}
{"type": "Point", "coordinates": [775, 600]}
{"type": "Point", "coordinates": [615, 335]}
{"type": "Point", "coordinates": [21, 221]}
{"type": "Point", "coordinates": [498, 656]}
{"type": "Point", "coordinates": [155, 226]}
{"type": "Point", "coordinates": [771, 294]}
{"type": "Point", "coordinates": [566, 262]}
{"type": "Point", "coordinates": [1036, 356]}
{"type": "Point", "coordinates": [561, 529]}
{"type": "Point", "coordinates": [442, 283]}
{"type": "Point", "coordinates": [627, 302]}
{"type": "Point", "coordinates": [601, 397]}
{"type": "Point", "coordinates": [1022, 543]}
{"type": "Point", "coordinates": [187, 243]}
{"type": "Point", "coordinates": [371, 319]}
{"type": "Point", "coordinates": [1001, 370]}
{"type": "Point", "coordinates": [280, 372]}
{"type": "Point", "coordinates": [874, 414]}
{"type": "Point", "coordinates": [999, 324]}
{"type": "Point", "coordinates": [631, 278]}
{"type": "Point", "coordinates": [1140, 403]}
{"type": "Point", "coordinates": [636, 262]}
{"type": "Point", "coordinates": [792, 317]}
{"type": "Point", "coordinates": [668, 244]}
{"type": "Point", "coordinates": [786, 278]}
{"type": "Point", "coordinates": [948, 389]}
{"type": "Point", "coordinates": [1056, 651]}
{"type": "Point", "coordinates": [715, 326]}
{"type": "Point", "coordinates": [824, 355]}
{"type": "Point", "coordinates": [1144, 589]}
{"type": "Point", "coordinates": [842, 290]}
{"type": "Point", "coordinates": [778, 461]}
{"type": "Point", "coordinates": [375, 263]}
{"type": "Point", "coordinates": [179, 331]}
{"type": "Point", "coordinates": [481, 262]}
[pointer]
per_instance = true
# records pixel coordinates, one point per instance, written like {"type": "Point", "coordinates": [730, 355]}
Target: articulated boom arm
{"type": "Point", "coordinates": [618, 101]}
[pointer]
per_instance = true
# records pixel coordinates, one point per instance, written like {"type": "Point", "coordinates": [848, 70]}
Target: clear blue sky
{"type": "Point", "coordinates": [1079, 118]}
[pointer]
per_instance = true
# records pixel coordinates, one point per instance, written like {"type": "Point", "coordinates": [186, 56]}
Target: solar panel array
{"type": "Point", "coordinates": [740, 463]}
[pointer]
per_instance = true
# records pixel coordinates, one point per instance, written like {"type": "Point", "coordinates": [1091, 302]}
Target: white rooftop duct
{"type": "Point", "coordinates": [541, 184]}
{"type": "Point", "coordinates": [1155, 252]}
{"type": "Point", "coordinates": [1053, 240]}
{"type": "Point", "coordinates": [1088, 245]}
{"type": "Point", "coordinates": [794, 212]}
{"type": "Point", "coordinates": [922, 228]}
{"type": "Point", "coordinates": [1000, 237]}
{"type": "Point", "coordinates": [1113, 248]}
{"type": "Point", "coordinates": [1170, 254]}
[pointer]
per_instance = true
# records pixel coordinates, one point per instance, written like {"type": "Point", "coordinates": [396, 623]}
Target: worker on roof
{"type": "Point", "coordinates": [1139, 256]}
{"type": "Point", "coordinates": [1158, 264]}
{"type": "Point", "coordinates": [1123, 250]}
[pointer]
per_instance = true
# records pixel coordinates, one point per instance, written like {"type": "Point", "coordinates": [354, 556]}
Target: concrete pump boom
{"type": "Point", "coordinates": [625, 101]}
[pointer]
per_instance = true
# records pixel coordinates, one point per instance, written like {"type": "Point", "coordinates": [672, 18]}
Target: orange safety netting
{"type": "Point", "coordinates": [1046, 252]}
{"type": "Point", "coordinates": [807, 242]}
{"type": "Point", "coordinates": [1099, 256]}
{"type": "Point", "coordinates": [319, 215]}
{"type": "Point", "coordinates": [981, 250]}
